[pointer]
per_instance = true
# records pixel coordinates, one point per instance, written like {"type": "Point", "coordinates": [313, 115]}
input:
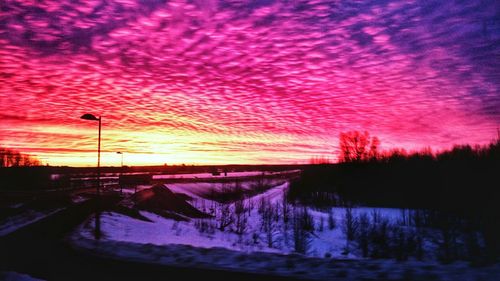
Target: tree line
{"type": "Point", "coordinates": [458, 188]}
{"type": "Point", "coordinates": [13, 158]}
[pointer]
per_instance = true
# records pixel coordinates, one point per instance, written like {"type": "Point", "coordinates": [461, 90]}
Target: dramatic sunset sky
{"type": "Point", "coordinates": [210, 82]}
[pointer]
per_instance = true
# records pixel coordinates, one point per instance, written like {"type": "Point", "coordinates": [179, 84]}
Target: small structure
{"type": "Point", "coordinates": [128, 180]}
{"type": "Point", "coordinates": [216, 172]}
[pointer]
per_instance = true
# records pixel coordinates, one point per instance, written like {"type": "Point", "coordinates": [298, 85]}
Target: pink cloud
{"type": "Point", "coordinates": [214, 77]}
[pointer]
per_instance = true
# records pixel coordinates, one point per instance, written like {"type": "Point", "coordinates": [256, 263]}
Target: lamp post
{"type": "Point", "coordinates": [97, 233]}
{"type": "Point", "coordinates": [121, 171]}
{"type": "Point", "coordinates": [121, 153]}
{"type": "Point", "coordinates": [93, 118]}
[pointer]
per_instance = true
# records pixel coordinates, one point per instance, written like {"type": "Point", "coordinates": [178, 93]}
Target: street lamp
{"type": "Point", "coordinates": [97, 228]}
{"type": "Point", "coordinates": [121, 153]}
{"type": "Point", "coordinates": [121, 171]}
{"type": "Point", "coordinates": [93, 118]}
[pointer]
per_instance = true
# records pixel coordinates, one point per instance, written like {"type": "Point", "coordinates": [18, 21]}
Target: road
{"type": "Point", "coordinates": [41, 251]}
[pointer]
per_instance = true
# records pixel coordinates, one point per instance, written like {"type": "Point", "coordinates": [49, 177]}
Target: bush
{"type": "Point", "coordinates": [350, 225]}
{"type": "Point", "coordinates": [331, 220]}
{"type": "Point", "coordinates": [302, 227]}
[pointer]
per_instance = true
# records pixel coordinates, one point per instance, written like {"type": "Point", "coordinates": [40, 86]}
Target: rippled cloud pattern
{"type": "Point", "coordinates": [208, 81]}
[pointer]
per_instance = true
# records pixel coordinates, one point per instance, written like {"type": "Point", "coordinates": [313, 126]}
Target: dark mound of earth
{"type": "Point", "coordinates": [159, 199]}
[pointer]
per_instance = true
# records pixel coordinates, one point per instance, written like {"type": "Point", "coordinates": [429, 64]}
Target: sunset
{"type": "Point", "coordinates": [209, 82]}
{"type": "Point", "coordinates": [248, 140]}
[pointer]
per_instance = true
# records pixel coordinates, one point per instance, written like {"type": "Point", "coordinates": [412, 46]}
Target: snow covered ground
{"type": "Point", "coordinates": [293, 265]}
{"type": "Point", "coordinates": [200, 190]}
{"type": "Point", "coordinates": [117, 227]}
{"type": "Point", "coordinates": [208, 176]}
{"type": "Point", "coordinates": [15, 276]}
{"type": "Point", "coordinates": [27, 217]}
{"type": "Point", "coordinates": [260, 247]}
{"type": "Point", "coordinates": [326, 241]}
{"type": "Point", "coordinates": [222, 175]}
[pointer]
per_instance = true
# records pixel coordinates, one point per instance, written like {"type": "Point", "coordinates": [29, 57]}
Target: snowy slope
{"type": "Point", "coordinates": [25, 218]}
{"type": "Point", "coordinates": [161, 231]}
{"type": "Point", "coordinates": [201, 243]}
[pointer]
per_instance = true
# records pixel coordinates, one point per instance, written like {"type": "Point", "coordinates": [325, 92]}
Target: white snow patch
{"type": "Point", "coordinates": [165, 241]}
{"type": "Point", "coordinates": [161, 231]}
{"type": "Point", "coordinates": [222, 175]}
{"type": "Point", "coordinates": [296, 266]}
{"type": "Point", "coordinates": [28, 217]}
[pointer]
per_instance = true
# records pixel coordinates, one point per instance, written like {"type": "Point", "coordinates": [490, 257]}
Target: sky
{"type": "Point", "coordinates": [244, 82]}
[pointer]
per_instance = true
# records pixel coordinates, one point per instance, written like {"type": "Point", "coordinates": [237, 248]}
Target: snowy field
{"type": "Point", "coordinates": [222, 175]}
{"type": "Point", "coordinates": [200, 190]}
{"type": "Point", "coordinates": [327, 239]}
{"type": "Point", "coordinates": [293, 265]}
{"type": "Point", "coordinates": [253, 235]}
{"type": "Point", "coordinates": [111, 176]}
{"type": "Point", "coordinates": [27, 217]}
{"type": "Point", "coordinates": [15, 276]}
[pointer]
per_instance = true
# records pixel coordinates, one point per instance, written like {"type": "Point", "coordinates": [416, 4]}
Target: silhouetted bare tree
{"type": "Point", "coordinates": [241, 218]}
{"type": "Point", "coordinates": [303, 226]}
{"type": "Point", "coordinates": [224, 216]}
{"type": "Point", "coordinates": [269, 222]}
{"type": "Point", "coordinates": [350, 225]}
{"type": "Point", "coordinates": [12, 158]}
{"type": "Point", "coordinates": [356, 146]}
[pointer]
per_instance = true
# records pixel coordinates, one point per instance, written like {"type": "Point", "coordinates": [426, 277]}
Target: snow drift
{"type": "Point", "coordinates": [161, 200]}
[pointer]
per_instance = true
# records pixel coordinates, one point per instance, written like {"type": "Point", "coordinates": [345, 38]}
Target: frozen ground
{"type": "Point", "coordinates": [161, 231]}
{"type": "Point", "coordinates": [293, 265]}
{"type": "Point", "coordinates": [13, 223]}
{"type": "Point", "coordinates": [198, 176]}
{"type": "Point", "coordinates": [15, 276]}
{"type": "Point", "coordinates": [201, 190]}
{"type": "Point", "coordinates": [222, 175]}
{"type": "Point", "coordinates": [202, 243]}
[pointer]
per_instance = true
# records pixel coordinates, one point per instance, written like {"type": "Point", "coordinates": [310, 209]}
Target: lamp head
{"type": "Point", "coordinates": [89, 117]}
